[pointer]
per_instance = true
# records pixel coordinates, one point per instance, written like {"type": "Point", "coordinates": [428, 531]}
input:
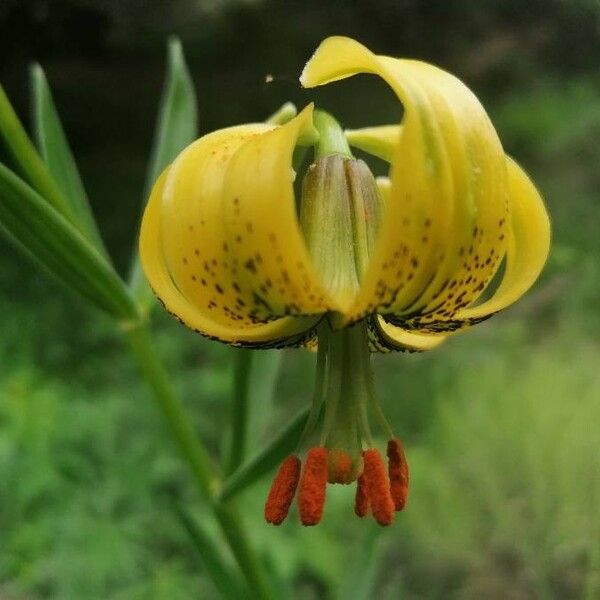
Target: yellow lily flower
{"type": "Point", "coordinates": [362, 265]}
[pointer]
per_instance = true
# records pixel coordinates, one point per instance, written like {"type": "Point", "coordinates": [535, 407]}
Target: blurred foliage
{"type": "Point", "coordinates": [506, 488]}
{"type": "Point", "coordinates": [500, 423]}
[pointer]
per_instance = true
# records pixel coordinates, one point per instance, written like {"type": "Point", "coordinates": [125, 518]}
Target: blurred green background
{"type": "Point", "coordinates": [501, 424]}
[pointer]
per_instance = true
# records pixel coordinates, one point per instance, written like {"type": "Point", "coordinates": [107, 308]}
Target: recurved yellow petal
{"type": "Point", "coordinates": [197, 242]}
{"type": "Point", "coordinates": [275, 271]}
{"type": "Point", "coordinates": [448, 187]}
{"type": "Point", "coordinates": [528, 245]}
{"type": "Point", "coordinates": [385, 337]}
{"type": "Point", "coordinates": [527, 237]}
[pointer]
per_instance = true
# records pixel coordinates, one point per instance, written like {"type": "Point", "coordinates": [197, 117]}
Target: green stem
{"type": "Point", "coordinates": [383, 423]}
{"type": "Point", "coordinates": [318, 393]}
{"type": "Point", "coordinates": [332, 139]}
{"type": "Point", "coordinates": [239, 410]}
{"type": "Point", "coordinates": [361, 376]}
{"type": "Point", "coordinates": [192, 450]}
{"type": "Point", "coordinates": [154, 372]}
{"type": "Point", "coordinates": [335, 364]}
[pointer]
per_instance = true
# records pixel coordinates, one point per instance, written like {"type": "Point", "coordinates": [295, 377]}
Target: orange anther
{"type": "Point", "coordinates": [398, 472]}
{"type": "Point", "coordinates": [361, 500]}
{"type": "Point", "coordinates": [282, 490]}
{"type": "Point", "coordinates": [339, 466]}
{"type": "Point", "coordinates": [313, 483]}
{"type": "Point", "coordinates": [377, 486]}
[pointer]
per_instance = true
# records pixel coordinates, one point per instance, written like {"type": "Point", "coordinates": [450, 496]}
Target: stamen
{"type": "Point", "coordinates": [313, 483]}
{"type": "Point", "coordinates": [398, 472]}
{"type": "Point", "coordinates": [339, 467]}
{"type": "Point", "coordinates": [361, 500]}
{"type": "Point", "coordinates": [282, 490]}
{"type": "Point", "coordinates": [378, 487]}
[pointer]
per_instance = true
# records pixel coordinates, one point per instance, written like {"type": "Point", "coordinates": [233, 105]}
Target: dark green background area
{"type": "Point", "coordinates": [500, 424]}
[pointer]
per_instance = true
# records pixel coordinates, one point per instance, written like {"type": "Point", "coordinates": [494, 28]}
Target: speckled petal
{"type": "Point", "coordinates": [385, 337]}
{"type": "Point", "coordinates": [528, 245]}
{"type": "Point", "coordinates": [189, 253]}
{"type": "Point", "coordinates": [275, 271]}
{"type": "Point", "coordinates": [448, 188]}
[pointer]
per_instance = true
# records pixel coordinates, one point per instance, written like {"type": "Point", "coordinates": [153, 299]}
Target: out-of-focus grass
{"type": "Point", "coordinates": [83, 495]}
{"type": "Point", "coordinates": [505, 474]}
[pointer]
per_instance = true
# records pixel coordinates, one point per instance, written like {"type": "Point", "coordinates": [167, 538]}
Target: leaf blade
{"type": "Point", "coordinates": [177, 122]}
{"type": "Point", "coordinates": [60, 248]}
{"type": "Point", "coordinates": [220, 572]}
{"type": "Point", "coordinates": [266, 460]}
{"type": "Point", "coordinates": [28, 160]}
{"type": "Point", "coordinates": [176, 127]}
{"type": "Point", "coordinates": [54, 148]}
{"type": "Point", "coordinates": [364, 565]}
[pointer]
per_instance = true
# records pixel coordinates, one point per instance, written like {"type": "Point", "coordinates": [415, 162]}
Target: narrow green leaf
{"type": "Point", "coordinates": [266, 460]}
{"type": "Point", "coordinates": [219, 570]}
{"type": "Point", "coordinates": [54, 148]}
{"type": "Point", "coordinates": [28, 160]}
{"type": "Point", "coordinates": [177, 123]}
{"type": "Point", "coordinates": [176, 128]}
{"type": "Point", "coordinates": [59, 247]}
{"type": "Point", "coordinates": [359, 584]}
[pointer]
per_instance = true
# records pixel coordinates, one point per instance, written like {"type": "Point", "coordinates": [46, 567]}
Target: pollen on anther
{"type": "Point", "coordinates": [378, 487]}
{"type": "Point", "coordinates": [313, 483]}
{"type": "Point", "coordinates": [282, 490]}
{"type": "Point", "coordinates": [398, 473]}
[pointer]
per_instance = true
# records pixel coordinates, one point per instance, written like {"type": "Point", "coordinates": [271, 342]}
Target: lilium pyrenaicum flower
{"type": "Point", "coordinates": [364, 265]}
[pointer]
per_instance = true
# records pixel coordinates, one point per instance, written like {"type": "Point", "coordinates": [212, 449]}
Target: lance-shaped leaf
{"type": "Point", "coordinates": [266, 460]}
{"type": "Point", "coordinates": [176, 127]}
{"type": "Point", "coordinates": [59, 247]}
{"type": "Point", "coordinates": [361, 579]}
{"type": "Point", "coordinates": [28, 161]}
{"type": "Point", "coordinates": [220, 571]}
{"type": "Point", "coordinates": [54, 148]}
